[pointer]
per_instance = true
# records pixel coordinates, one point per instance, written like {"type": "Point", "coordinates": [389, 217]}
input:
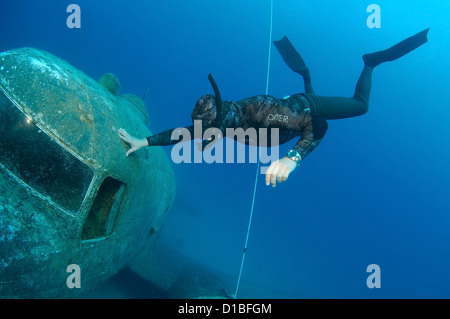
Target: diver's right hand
{"type": "Point", "coordinates": [134, 142]}
{"type": "Point", "coordinates": [279, 171]}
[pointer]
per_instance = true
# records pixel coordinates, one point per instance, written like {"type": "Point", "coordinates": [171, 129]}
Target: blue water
{"type": "Point", "coordinates": [374, 192]}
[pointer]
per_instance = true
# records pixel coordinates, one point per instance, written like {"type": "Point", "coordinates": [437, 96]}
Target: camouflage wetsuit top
{"type": "Point", "coordinates": [292, 116]}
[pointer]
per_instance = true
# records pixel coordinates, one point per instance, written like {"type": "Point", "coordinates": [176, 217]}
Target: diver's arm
{"type": "Point", "coordinates": [305, 146]}
{"type": "Point", "coordinates": [160, 139]}
{"type": "Point", "coordinates": [165, 138]}
{"type": "Point", "coordinates": [311, 137]}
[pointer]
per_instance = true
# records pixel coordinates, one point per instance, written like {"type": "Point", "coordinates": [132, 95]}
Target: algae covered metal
{"type": "Point", "coordinates": [68, 193]}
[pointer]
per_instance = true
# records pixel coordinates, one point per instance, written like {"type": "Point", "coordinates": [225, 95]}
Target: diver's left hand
{"type": "Point", "coordinates": [279, 171]}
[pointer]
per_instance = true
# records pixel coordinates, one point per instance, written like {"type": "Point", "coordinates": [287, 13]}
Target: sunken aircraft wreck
{"type": "Point", "coordinates": [68, 194]}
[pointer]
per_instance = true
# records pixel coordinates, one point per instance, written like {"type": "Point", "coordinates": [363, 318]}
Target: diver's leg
{"type": "Point", "coordinates": [338, 107]}
{"type": "Point", "coordinates": [362, 90]}
{"type": "Point", "coordinates": [307, 81]}
{"type": "Point", "coordinates": [333, 108]}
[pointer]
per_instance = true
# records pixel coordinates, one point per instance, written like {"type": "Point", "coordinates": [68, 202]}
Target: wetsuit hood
{"type": "Point", "coordinates": [206, 111]}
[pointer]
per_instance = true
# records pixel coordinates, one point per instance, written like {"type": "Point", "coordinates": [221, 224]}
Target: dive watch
{"type": "Point", "coordinates": [295, 156]}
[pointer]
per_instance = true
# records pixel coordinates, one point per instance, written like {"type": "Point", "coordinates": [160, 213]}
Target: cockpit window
{"type": "Point", "coordinates": [36, 159]}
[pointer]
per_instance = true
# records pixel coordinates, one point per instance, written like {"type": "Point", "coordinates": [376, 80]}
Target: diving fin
{"type": "Point", "coordinates": [397, 51]}
{"type": "Point", "coordinates": [292, 58]}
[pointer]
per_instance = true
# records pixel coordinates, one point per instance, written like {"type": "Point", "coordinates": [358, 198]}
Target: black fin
{"type": "Point", "coordinates": [292, 58]}
{"type": "Point", "coordinates": [396, 51]}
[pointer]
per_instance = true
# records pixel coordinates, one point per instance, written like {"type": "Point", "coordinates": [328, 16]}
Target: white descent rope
{"type": "Point", "coordinates": [257, 168]}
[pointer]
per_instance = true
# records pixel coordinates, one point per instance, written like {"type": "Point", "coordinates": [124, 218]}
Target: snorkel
{"type": "Point", "coordinates": [219, 113]}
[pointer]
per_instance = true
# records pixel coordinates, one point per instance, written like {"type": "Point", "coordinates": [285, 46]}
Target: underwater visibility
{"type": "Point", "coordinates": [133, 139]}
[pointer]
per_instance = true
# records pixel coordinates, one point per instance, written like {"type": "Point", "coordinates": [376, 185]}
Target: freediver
{"type": "Point", "coordinates": [302, 114]}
